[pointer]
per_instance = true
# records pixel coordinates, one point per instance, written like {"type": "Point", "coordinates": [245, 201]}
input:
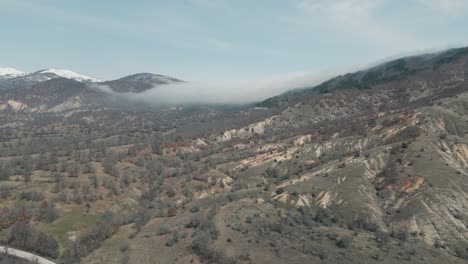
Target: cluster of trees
{"type": "Point", "coordinates": [44, 212]}
{"type": "Point", "coordinates": [25, 236]}
{"type": "Point", "coordinates": [78, 192]}
{"type": "Point", "coordinates": [204, 235]}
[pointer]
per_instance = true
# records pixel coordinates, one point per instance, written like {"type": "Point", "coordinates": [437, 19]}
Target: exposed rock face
{"type": "Point", "coordinates": [407, 170]}
{"type": "Point", "coordinates": [12, 105]}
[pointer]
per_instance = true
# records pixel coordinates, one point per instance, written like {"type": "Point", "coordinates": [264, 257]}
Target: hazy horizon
{"type": "Point", "coordinates": [220, 40]}
{"type": "Point", "coordinates": [241, 91]}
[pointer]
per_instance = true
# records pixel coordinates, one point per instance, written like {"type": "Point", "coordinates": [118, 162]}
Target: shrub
{"type": "Point", "coordinates": [401, 235]}
{"type": "Point", "coordinates": [323, 216]}
{"type": "Point", "coordinates": [195, 209]}
{"type": "Point", "coordinates": [279, 190]}
{"type": "Point", "coordinates": [5, 191]}
{"type": "Point", "coordinates": [173, 239]}
{"type": "Point", "coordinates": [364, 224]}
{"type": "Point", "coordinates": [31, 196]}
{"type": "Point", "coordinates": [461, 252]}
{"type": "Point", "coordinates": [170, 193]}
{"type": "Point", "coordinates": [194, 223]}
{"type": "Point", "coordinates": [124, 246]}
{"type": "Point", "coordinates": [171, 212]}
{"type": "Point", "coordinates": [382, 237]}
{"type": "Point", "coordinates": [345, 242]}
{"type": "Point", "coordinates": [163, 230]}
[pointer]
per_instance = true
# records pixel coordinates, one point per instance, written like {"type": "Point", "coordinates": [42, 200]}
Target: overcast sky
{"type": "Point", "coordinates": [199, 40]}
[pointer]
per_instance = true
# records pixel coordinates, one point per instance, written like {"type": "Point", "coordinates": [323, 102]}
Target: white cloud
{"type": "Point", "coordinates": [359, 20]}
{"type": "Point", "coordinates": [226, 92]}
{"type": "Point", "coordinates": [208, 3]}
{"type": "Point", "coordinates": [449, 7]}
{"type": "Point", "coordinates": [341, 8]}
{"type": "Point", "coordinates": [157, 23]}
{"type": "Point", "coordinates": [247, 91]}
{"type": "Point", "coordinates": [170, 26]}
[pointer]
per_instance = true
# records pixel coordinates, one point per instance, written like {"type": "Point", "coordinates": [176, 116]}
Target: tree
{"type": "Point", "coordinates": [110, 167]}
{"type": "Point", "coordinates": [47, 212]}
{"type": "Point", "coordinates": [156, 147]}
{"type": "Point", "coordinates": [89, 168]}
{"type": "Point", "coordinates": [59, 183]}
{"type": "Point", "coordinates": [73, 170]}
{"type": "Point", "coordinates": [110, 185]}
{"type": "Point", "coordinates": [27, 174]}
{"type": "Point", "coordinates": [42, 162]}
{"type": "Point", "coordinates": [88, 195]}
{"type": "Point", "coordinates": [20, 235]}
{"type": "Point", "coordinates": [5, 172]}
{"type": "Point", "coordinates": [124, 179]}
{"type": "Point", "coordinates": [72, 254]}
{"type": "Point", "coordinates": [46, 245]}
{"type": "Point", "coordinates": [5, 191]}
{"type": "Point", "coordinates": [93, 180]}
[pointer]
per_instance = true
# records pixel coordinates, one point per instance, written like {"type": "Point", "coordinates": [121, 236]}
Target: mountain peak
{"type": "Point", "coordinates": [69, 75]}
{"type": "Point", "coordinates": [151, 77]}
{"type": "Point", "coordinates": [10, 72]}
{"type": "Point", "coordinates": [140, 82]}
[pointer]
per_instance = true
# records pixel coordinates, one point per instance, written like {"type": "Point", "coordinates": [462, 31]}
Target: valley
{"type": "Point", "coordinates": [368, 167]}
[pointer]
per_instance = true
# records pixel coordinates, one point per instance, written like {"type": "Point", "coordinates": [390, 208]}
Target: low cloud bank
{"type": "Point", "coordinates": [224, 92]}
{"type": "Point", "coordinates": [247, 91]}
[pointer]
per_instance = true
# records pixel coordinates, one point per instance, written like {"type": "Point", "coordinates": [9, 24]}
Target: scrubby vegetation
{"type": "Point", "coordinates": [375, 174]}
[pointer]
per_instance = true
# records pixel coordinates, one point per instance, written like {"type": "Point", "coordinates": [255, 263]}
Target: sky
{"type": "Point", "coordinates": [219, 40]}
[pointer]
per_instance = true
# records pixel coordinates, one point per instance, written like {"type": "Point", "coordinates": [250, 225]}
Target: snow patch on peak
{"type": "Point", "coordinates": [10, 72]}
{"type": "Point", "coordinates": [70, 75]}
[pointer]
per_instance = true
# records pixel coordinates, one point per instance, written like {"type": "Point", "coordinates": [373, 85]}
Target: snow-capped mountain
{"type": "Point", "coordinates": [10, 73]}
{"type": "Point", "coordinates": [18, 79]}
{"type": "Point", "coordinates": [14, 79]}
{"type": "Point", "coordinates": [48, 74]}
{"type": "Point", "coordinates": [68, 74]}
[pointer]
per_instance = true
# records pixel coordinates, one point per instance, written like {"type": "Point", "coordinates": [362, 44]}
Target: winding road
{"type": "Point", "coordinates": [25, 255]}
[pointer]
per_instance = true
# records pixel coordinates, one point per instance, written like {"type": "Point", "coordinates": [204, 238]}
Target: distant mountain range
{"type": "Point", "coordinates": [61, 91]}
{"type": "Point", "coordinates": [11, 78]}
